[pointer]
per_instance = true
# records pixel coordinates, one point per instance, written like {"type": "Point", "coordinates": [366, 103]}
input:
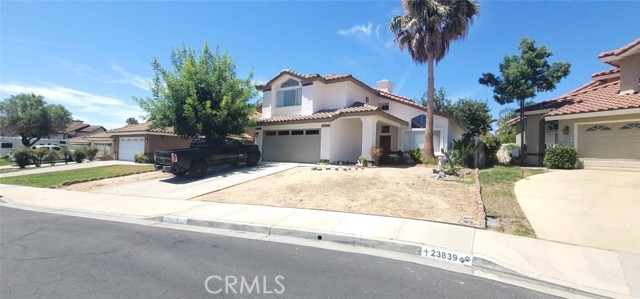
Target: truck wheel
{"type": "Point", "coordinates": [252, 160]}
{"type": "Point", "coordinates": [198, 170]}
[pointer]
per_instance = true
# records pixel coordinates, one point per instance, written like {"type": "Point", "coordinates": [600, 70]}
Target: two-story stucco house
{"type": "Point", "coordinates": [309, 118]}
{"type": "Point", "coordinates": [600, 119]}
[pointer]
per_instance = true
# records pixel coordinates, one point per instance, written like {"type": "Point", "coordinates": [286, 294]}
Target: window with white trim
{"type": "Point", "coordinates": [631, 126]}
{"type": "Point", "coordinates": [415, 139]}
{"type": "Point", "coordinates": [290, 94]}
{"type": "Point", "coordinates": [598, 128]}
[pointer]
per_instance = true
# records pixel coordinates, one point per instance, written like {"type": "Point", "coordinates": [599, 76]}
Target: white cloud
{"type": "Point", "coordinates": [360, 31]}
{"type": "Point", "coordinates": [107, 111]}
{"type": "Point", "coordinates": [129, 78]}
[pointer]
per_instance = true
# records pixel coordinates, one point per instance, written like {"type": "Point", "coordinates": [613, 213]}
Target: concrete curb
{"type": "Point", "coordinates": [479, 266]}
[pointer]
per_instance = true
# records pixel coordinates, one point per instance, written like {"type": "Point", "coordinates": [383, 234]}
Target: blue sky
{"type": "Point", "coordinates": [93, 57]}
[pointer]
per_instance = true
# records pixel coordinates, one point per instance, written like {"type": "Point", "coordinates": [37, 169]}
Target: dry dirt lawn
{"type": "Point", "coordinates": [93, 185]}
{"type": "Point", "coordinates": [401, 192]}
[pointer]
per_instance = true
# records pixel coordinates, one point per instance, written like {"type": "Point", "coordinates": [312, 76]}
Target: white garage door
{"type": "Point", "coordinates": [129, 147]}
{"type": "Point", "coordinates": [291, 146]}
{"type": "Point", "coordinates": [609, 141]}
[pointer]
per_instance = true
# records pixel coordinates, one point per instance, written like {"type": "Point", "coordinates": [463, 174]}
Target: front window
{"type": "Point", "coordinates": [290, 94]}
{"type": "Point", "coordinates": [415, 139]}
{"type": "Point", "coordinates": [551, 125]}
{"type": "Point", "coordinates": [419, 122]}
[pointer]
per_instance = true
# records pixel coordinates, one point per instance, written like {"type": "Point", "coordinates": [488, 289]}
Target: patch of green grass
{"type": "Point", "coordinates": [4, 161]}
{"type": "Point", "coordinates": [500, 200]}
{"type": "Point", "coordinates": [57, 178]}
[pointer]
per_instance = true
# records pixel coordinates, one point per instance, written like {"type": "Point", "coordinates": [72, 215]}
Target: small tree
{"type": "Point", "coordinates": [91, 152]}
{"type": "Point", "coordinates": [201, 96]}
{"type": "Point", "coordinates": [524, 75]}
{"type": "Point", "coordinates": [132, 121]}
{"type": "Point", "coordinates": [32, 118]}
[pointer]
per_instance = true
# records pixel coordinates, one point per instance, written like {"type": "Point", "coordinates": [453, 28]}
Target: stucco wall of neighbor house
{"type": "Point", "coordinates": [630, 74]}
{"type": "Point", "coordinates": [346, 140]}
{"type": "Point", "coordinates": [162, 142]}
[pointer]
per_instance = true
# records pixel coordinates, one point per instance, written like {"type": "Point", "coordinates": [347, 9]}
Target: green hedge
{"type": "Point", "coordinates": [561, 157]}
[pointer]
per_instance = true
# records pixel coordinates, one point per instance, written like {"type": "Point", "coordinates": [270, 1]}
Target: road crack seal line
{"type": "Point", "coordinates": [79, 254]}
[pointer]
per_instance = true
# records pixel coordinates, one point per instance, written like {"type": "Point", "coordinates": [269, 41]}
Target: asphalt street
{"type": "Point", "coordinates": [54, 256]}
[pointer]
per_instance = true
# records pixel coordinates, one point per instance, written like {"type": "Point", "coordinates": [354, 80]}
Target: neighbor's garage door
{"type": "Point", "coordinates": [130, 146]}
{"type": "Point", "coordinates": [609, 141]}
{"type": "Point", "coordinates": [291, 146]}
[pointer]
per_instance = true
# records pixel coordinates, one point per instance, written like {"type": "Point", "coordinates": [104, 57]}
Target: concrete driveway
{"type": "Point", "coordinates": [586, 207]}
{"type": "Point", "coordinates": [187, 188]}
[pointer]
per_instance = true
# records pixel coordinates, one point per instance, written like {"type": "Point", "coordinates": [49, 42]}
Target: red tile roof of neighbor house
{"type": "Point", "coordinates": [75, 126]}
{"type": "Point", "coordinates": [604, 97]}
{"type": "Point", "coordinates": [357, 107]}
{"type": "Point", "coordinates": [621, 50]}
{"type": "Point", "coordinates": [143, 127]}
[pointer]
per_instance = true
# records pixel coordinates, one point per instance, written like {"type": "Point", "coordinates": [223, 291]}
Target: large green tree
{"type": "Point", "coordinates": [426, 30]}
{"type": "Point", "coordinates": [200, 96]}
{"type": "Point", "coordinates": [131, 121]}
{"type": "Point", "coordinates": [506, 132]}
{"type": "Point", "coordinates": [522, 76]}
{"type": "Point", "coordinates": [32, 118]}
{"type": "Point", "coordinates": [475, 115]}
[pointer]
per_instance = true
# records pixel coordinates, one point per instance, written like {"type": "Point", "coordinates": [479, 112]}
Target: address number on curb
{"type": "Point", "coordinates": [446, 255]}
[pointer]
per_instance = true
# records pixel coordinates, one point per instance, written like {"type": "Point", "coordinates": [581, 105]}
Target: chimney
{"type": "Point", "coordinates": [385, 85]}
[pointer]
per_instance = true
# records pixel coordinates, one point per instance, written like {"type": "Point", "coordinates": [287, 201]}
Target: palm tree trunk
{"type": "Point", "coordinates": [427, 151]}
{"type": "Point", "coordinates": [522, 130]}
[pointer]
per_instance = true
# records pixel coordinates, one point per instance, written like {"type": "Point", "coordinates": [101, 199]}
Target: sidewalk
{"type": "Point", "coordinates": [44, 168]}
{"type": "Point", "coordinates": [570, 270]}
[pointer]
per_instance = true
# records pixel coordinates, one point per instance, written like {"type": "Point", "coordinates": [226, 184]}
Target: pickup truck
{"type": "Point", "coordinates": [202, 153]}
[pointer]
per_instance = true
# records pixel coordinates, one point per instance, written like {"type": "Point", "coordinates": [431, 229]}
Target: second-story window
{"type": "Point", "coordinates": [290, 94]}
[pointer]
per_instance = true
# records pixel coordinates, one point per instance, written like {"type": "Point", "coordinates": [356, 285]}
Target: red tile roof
{"type": "Point", "coordinates": [620, 50]}
{"type": "Point", "coordinates": [329, 114]}
{"type": "Point", "coordinates": [143, 127]}
{"type": "Point", "coordinates": [604, 97]}
{"type": "Point", "coordinates": [612, 71]}
{"type": "Point", "coordinates": [85, 139]}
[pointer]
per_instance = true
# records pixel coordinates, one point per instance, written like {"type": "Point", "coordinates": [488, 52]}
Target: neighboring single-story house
{"type": "Point", "coordinates": [308, 118]}
{"type": "Point", "coordinates": [103, 141]}
{"type": "Point", "coordinates": [141, 139]}
{"type": "Point", "coordinates": [600, 119]}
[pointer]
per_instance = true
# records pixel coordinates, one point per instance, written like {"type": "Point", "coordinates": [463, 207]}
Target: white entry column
{"type": "Point", "coordinates": [368, 135]}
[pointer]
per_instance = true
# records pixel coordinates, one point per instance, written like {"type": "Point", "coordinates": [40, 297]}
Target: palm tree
{"type": "Point", "coordinates": [426, 30]}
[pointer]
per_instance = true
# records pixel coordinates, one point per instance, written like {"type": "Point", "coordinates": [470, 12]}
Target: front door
{"type": "Point", "coordinates": [385, 144]}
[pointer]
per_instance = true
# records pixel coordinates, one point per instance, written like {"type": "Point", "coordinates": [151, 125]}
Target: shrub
{"type": "Point", "coordinates": [362, 160]}
{"type": "Point", "coordinates": [140, 158]}
{"type": "Point", "coordinates": [451, 161]}
{"type": "Point", "coordinates": [38, 155]}
{"type": "Point", "coordinates": [562, 157]}
{"type": "Point", "coordinates": [464, 149]}
{"type": "Point", "coordinates": [491, 145]}
{"type": "Point", "coordinates": [416, 155]}
{"type": "Point", "coordinates": [376, 153]}
{"type": "Point", "coordinates": [51, 157]}
{"type": "Point", "coordinates": [23, 156]}
{"type": "Point", "coordinates": [65, 153]}
{"type": "Point", "coordinates": [79, 155]}
{"type": "Point", "coordinates": [91, 152]}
